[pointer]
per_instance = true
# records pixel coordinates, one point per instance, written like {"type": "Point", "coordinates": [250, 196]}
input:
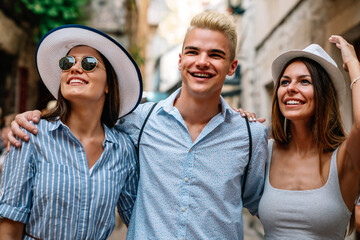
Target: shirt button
{"type": "Point", "coordinates": [183, 209]}
{"type": "Point", "coordinates": [186, 179]}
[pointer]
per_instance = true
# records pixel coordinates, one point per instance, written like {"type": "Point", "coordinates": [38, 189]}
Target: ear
{"type": "Point", "coordinates": [232, 67]}
{"type": "Point", "coordinates": [106, 89]}
{"type": "Point", "coordinates": [179, 63]}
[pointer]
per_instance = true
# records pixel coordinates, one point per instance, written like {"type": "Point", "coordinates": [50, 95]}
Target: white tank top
{"type": "Point", "coordinates": [304, 214]}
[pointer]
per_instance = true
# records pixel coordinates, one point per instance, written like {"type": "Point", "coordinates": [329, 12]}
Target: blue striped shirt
{"type": "Point", "coordinates": [192, 190]}
{"type": "Point", "coordinates": [47, 184]}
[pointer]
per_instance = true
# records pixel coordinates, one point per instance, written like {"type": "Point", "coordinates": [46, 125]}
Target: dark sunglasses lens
{"type": "Point", "coordinates": [66, 63]}
{"type": "Point", "coordinates": [88, 63]}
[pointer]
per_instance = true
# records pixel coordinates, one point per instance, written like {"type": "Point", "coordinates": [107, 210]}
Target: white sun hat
{"type": "Point", "coordinates": [59, 41]}
{"type": "Point", "coordinates": [318, 54]}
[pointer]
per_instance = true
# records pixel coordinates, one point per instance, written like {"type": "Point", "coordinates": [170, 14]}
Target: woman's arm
{"type": "Point", "coordinates": [10, 230]}
{"type": "Point", "coordinates": [349, 152]}
{"type": "Point", "coordinates": [17, 178]}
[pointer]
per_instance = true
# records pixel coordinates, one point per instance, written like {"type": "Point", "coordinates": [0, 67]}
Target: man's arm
{"type": "Point", "coordinates": [23, 120]}
{"type": "Point", "coordinates": [128, 193]}
{"type": "Point", "coordinates": [256, 172]}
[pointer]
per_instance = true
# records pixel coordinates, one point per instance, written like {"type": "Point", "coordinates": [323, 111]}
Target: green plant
{"type": "Point", "coordinates": [135, 52]}
{"type": "Point", "coordinates": [44, 15]}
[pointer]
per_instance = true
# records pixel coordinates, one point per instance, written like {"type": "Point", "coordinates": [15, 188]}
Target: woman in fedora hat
{"type": "Point", "coordinates": [67, 180]}
{"type": "Point", "coordinates": [313, 167]}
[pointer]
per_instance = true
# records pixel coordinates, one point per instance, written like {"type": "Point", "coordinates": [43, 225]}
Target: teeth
{"type": "Point", "coordinates": [77, 81]}
{"type": "Point", "coordinates": [205, 75]}
{"type": "Point", "coordinates": [292, 102]}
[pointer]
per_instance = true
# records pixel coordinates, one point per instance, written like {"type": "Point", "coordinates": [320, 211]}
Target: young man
{"type": "Point", "coordinates": [194, 147]}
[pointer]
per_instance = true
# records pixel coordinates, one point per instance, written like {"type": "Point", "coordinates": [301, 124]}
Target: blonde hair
{"type": "Point", "coordinates": [216, 21]}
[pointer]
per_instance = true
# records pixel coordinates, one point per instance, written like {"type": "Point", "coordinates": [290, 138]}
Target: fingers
{"type": "Point", "coordinates": [338, 40]}
{"type": "Point", "coordinates": [23, 121]}
{"type": "Point", "coordinates": [335, 39]}
{"type": "Point", "coordinates": [347, 50]}
{"type": "Point", "coordinates": [250, 115]}
{"type": "Point", "coordinates": [35, 117]}
{"type": "Point", "coordinates": [11, 138]}
{"type": "Point", "coordinates": [241, 111]}
{"type": "Point", "coordinates": [261, 120]}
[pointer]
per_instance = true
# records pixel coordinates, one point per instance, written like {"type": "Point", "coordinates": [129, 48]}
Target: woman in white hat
{"type": "Point", "coordinates": [66, 182]}
{"type": "Point", "coordinates": [313, 167]}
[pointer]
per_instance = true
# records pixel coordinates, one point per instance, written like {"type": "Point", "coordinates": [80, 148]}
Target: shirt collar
{"type": "Point", "coordinates": [109, 135]}
{"type": "Point", "coordinates": [168, 104]}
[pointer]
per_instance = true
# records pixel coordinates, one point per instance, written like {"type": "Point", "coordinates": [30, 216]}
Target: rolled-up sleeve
{"type": "Point", "coordinates": [16, 183]}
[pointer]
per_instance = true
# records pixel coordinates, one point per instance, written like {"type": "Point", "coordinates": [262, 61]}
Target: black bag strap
{"type": "Point", "coordinates": [141, 131]}
{"type": "Point", "coordinates": [250, 153]}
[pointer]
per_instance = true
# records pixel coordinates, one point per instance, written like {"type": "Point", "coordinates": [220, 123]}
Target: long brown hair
{"type": "Point", "coordinates": [111, 108]}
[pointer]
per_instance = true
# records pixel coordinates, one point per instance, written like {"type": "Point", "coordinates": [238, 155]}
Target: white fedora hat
{"type": "Point", "coordinates": [316, 53]}
{"type": "Point", "coordinates": [59, 41]}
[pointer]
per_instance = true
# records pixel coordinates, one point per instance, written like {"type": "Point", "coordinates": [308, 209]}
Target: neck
{"type": "Point", "coordinates": [197, 110]}
{"type": "Point", "coordinates": [302, 140]}
{"type": "Point", "coordinates": [85, 121]}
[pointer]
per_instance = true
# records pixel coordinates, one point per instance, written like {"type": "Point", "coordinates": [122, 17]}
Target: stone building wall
{"type": "Point", "coordinates": [305, 23]}
{"type": "Point", "coordinates": [269, 28]}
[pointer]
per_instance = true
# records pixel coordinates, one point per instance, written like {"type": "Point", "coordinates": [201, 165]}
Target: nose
{"type": "Point", "coordinates": [202, 61]}
{"type": "Point", "coordinates": [292, 87]}
{"type": "Point", "coordinates": [76, 67]}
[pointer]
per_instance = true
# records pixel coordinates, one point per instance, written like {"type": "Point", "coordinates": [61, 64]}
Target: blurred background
{"type": "Point", "coordinates": [153, 30]}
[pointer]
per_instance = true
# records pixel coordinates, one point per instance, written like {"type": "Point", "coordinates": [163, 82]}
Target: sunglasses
{"type": "Point", "coordinates": [88, 63]}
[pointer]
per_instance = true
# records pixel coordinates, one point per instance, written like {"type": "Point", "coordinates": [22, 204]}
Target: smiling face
{"type": "Point", "coordinates": [296, 92]}
{"type": "Point", "coordinates": [205, 62]}
{"type": "Point", "coordinates": [77, 84]}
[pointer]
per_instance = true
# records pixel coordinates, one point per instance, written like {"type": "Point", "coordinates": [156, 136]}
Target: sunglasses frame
{"type": "Point", "coordinates": [82, 58]}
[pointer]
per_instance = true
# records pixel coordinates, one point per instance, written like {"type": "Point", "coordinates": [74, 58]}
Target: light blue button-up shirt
{"type": "Point", "coordinates": [48, 186]}
{"type": "Point", "coordinates": [192, 190]}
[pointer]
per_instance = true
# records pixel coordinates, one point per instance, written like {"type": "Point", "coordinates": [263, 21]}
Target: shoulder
{"type": "Point", "coordinates": [43, 126]}
{"type": "Point", "coordinates": [259, 134]}
{"type": "Point", "coordinates": [140, 112]}
{"type": "Point", "coordinates": [124, 147]}
{"type": "Point", "coordinates": [258, 129]}
{"type": "Point", "coordinates": [120, 137]}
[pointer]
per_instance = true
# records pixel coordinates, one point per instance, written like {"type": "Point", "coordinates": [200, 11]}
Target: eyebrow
{"type": "Point", "coordinates": [211, 50]}
{"type": "Point", "coordinates": [305, 75]}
